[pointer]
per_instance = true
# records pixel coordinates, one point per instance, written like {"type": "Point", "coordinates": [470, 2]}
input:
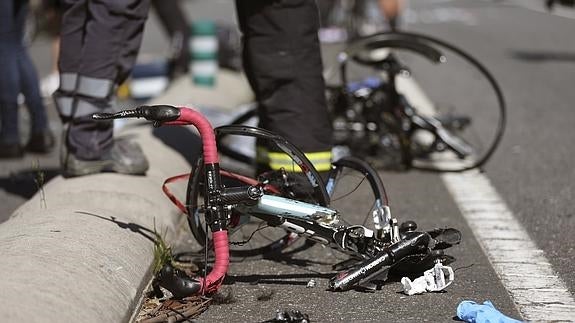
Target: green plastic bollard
{"type": "Point", "coordinates": [204, 53]}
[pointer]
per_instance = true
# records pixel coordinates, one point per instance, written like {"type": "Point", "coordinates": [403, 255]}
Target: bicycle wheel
{"type": "Point", "coordinates": [250, 236]}
{"type": "Point", "coordinates": [357, 191]}
{"type": "Point", "coordinates": [225, 147]}
{"type": "Point", "coordinates": [446, 131]}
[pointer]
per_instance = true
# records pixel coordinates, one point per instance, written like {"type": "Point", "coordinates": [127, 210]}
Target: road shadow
{"type": "Point", "coordinates": [532, 56]}
{"type": "Point", "coordinates": [133, 227]}
{"type": "Point", "coordinates": [275, 279]}
{"type": "Point", "coordinates": [27, 182]}
{"type": "Point", "coordinates": [286, 258]}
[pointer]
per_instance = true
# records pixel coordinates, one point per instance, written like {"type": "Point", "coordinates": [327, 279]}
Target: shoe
{"type": "Point", "coordinates": [125, 157]}
{"type": "Point", "coordinates": [11, 150]}
{"type": "Point", "coordinates": [42, 142]}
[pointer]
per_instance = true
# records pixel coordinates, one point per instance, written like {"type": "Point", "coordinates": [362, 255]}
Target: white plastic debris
{"type": "Point", "coordinates": [311, 283]}
{"type": "Point", "coordinates": [433, 280]}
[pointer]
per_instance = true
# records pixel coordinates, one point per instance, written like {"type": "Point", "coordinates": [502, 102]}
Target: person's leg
{"type": "Point", "coordinates": [41, 139]}
{"type": "Point", "coordinates": [31, 91]}
{"type": "Point", "coordinates": [53, 11]}
{"type": "Point", "coordinates": [283, 64]}
{"type": "Point", "coordinates": [391, 9]}
{"type": "Point", "coordinates": [177, 27]}
{"type": "Point", "coordinates": [72, 36]}
{"type": "Point", "coordinates": [9, 82]}
{"type": "Point", "coordinates": [325, 8]}
{"type": "Point", "coordinates": [99, 43]}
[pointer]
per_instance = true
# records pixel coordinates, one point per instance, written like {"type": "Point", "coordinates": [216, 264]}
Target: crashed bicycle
{"type": "Point", "coordinates": [376, 117]}
{"type": "Point", "coordinates": [221, 203]}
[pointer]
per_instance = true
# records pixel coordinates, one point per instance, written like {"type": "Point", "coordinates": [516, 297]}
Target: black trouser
{"type": "Point", "coordinates": [282, 61]}
{"type": "Point", "coordinates": [175, 23]}
{"type": "Point", "coordinates": [18, 74]}
{"type": "Point", "coordinates": [100, 41]}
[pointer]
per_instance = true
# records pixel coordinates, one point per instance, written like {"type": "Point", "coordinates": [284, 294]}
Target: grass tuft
{"type": "Point", "coordinates": [40, 180]}
{"type": "Point", "coordinates": [162, 251]}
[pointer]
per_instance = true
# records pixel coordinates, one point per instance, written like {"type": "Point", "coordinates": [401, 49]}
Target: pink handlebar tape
{"type": "Point", "coordinates": [193, 117]}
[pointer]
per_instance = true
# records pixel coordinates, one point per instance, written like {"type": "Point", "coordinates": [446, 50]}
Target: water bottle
{"type": "Point", "coordinates": [204, 53]}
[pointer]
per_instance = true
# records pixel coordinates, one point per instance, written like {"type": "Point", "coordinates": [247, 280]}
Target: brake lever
{"type": "Point", "coordinates": [157, 113]}
{"type": "Point", "coordinates": [118, 115]}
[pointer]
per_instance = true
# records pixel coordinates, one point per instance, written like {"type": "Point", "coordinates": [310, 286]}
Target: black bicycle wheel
{"type": "Point", "coordinates": [250, 236]}
{"type": "Point", "coordinates": [357, 192]}
{"type": "Point", "coordinates": [471, 126]}
{"type": "Point", "coordinates": [226, 149]}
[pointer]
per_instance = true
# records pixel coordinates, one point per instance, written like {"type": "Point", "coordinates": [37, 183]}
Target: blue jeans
{"type": "Point", "coordinates": [17, 74]}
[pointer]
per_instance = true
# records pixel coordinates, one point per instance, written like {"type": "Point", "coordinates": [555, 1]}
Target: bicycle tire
{"type": "Point", "coordinates": [281, 240]}
{"type": "Point", "coordinates": [365, 168]}
{"type": "Point", "coordinates": [234, 154]}
{"type": "Point", "coordinates": [339, 188]}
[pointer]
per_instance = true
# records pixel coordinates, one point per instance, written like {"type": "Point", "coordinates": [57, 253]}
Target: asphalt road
{"type": "Point", "coordinates": [532, 55]}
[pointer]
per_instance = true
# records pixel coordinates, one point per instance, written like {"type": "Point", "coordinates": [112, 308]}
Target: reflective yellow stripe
{"type": "Point", "coordinates": [292, 167]}
{"type": "Point", "coordinates": [278, 160]}
{"type": "Point", "coordinates": [325, 155]}
{"type": "Point", "coordinates": [262, 155]}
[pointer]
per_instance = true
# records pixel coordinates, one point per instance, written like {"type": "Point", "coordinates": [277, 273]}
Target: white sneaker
{"type": "Point", "coordinates": [49, 84]}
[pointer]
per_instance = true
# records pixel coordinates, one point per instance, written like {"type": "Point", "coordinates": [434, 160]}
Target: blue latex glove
{"type": "Point", "coordinates": [469, 311]}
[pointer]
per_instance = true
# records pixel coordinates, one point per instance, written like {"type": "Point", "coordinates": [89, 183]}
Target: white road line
{"type": "Point", "coordinates": [439, 15]}
{"type": "Point", "coordinates": [539, 294]}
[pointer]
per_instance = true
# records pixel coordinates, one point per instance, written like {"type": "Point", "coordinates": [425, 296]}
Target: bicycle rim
{"type": "Point", "coordinates": [356, 191]}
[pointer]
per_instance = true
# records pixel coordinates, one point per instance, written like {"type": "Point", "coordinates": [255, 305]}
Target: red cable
{"type": "Point", "coordinates": [171, 195]}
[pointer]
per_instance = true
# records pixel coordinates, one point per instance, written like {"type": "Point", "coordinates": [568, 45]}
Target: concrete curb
{"type": "Point", "coordinates": [81, 249]}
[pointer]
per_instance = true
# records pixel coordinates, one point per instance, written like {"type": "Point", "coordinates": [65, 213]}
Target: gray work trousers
{"type": "Point", "coordinates": [99, 43]}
